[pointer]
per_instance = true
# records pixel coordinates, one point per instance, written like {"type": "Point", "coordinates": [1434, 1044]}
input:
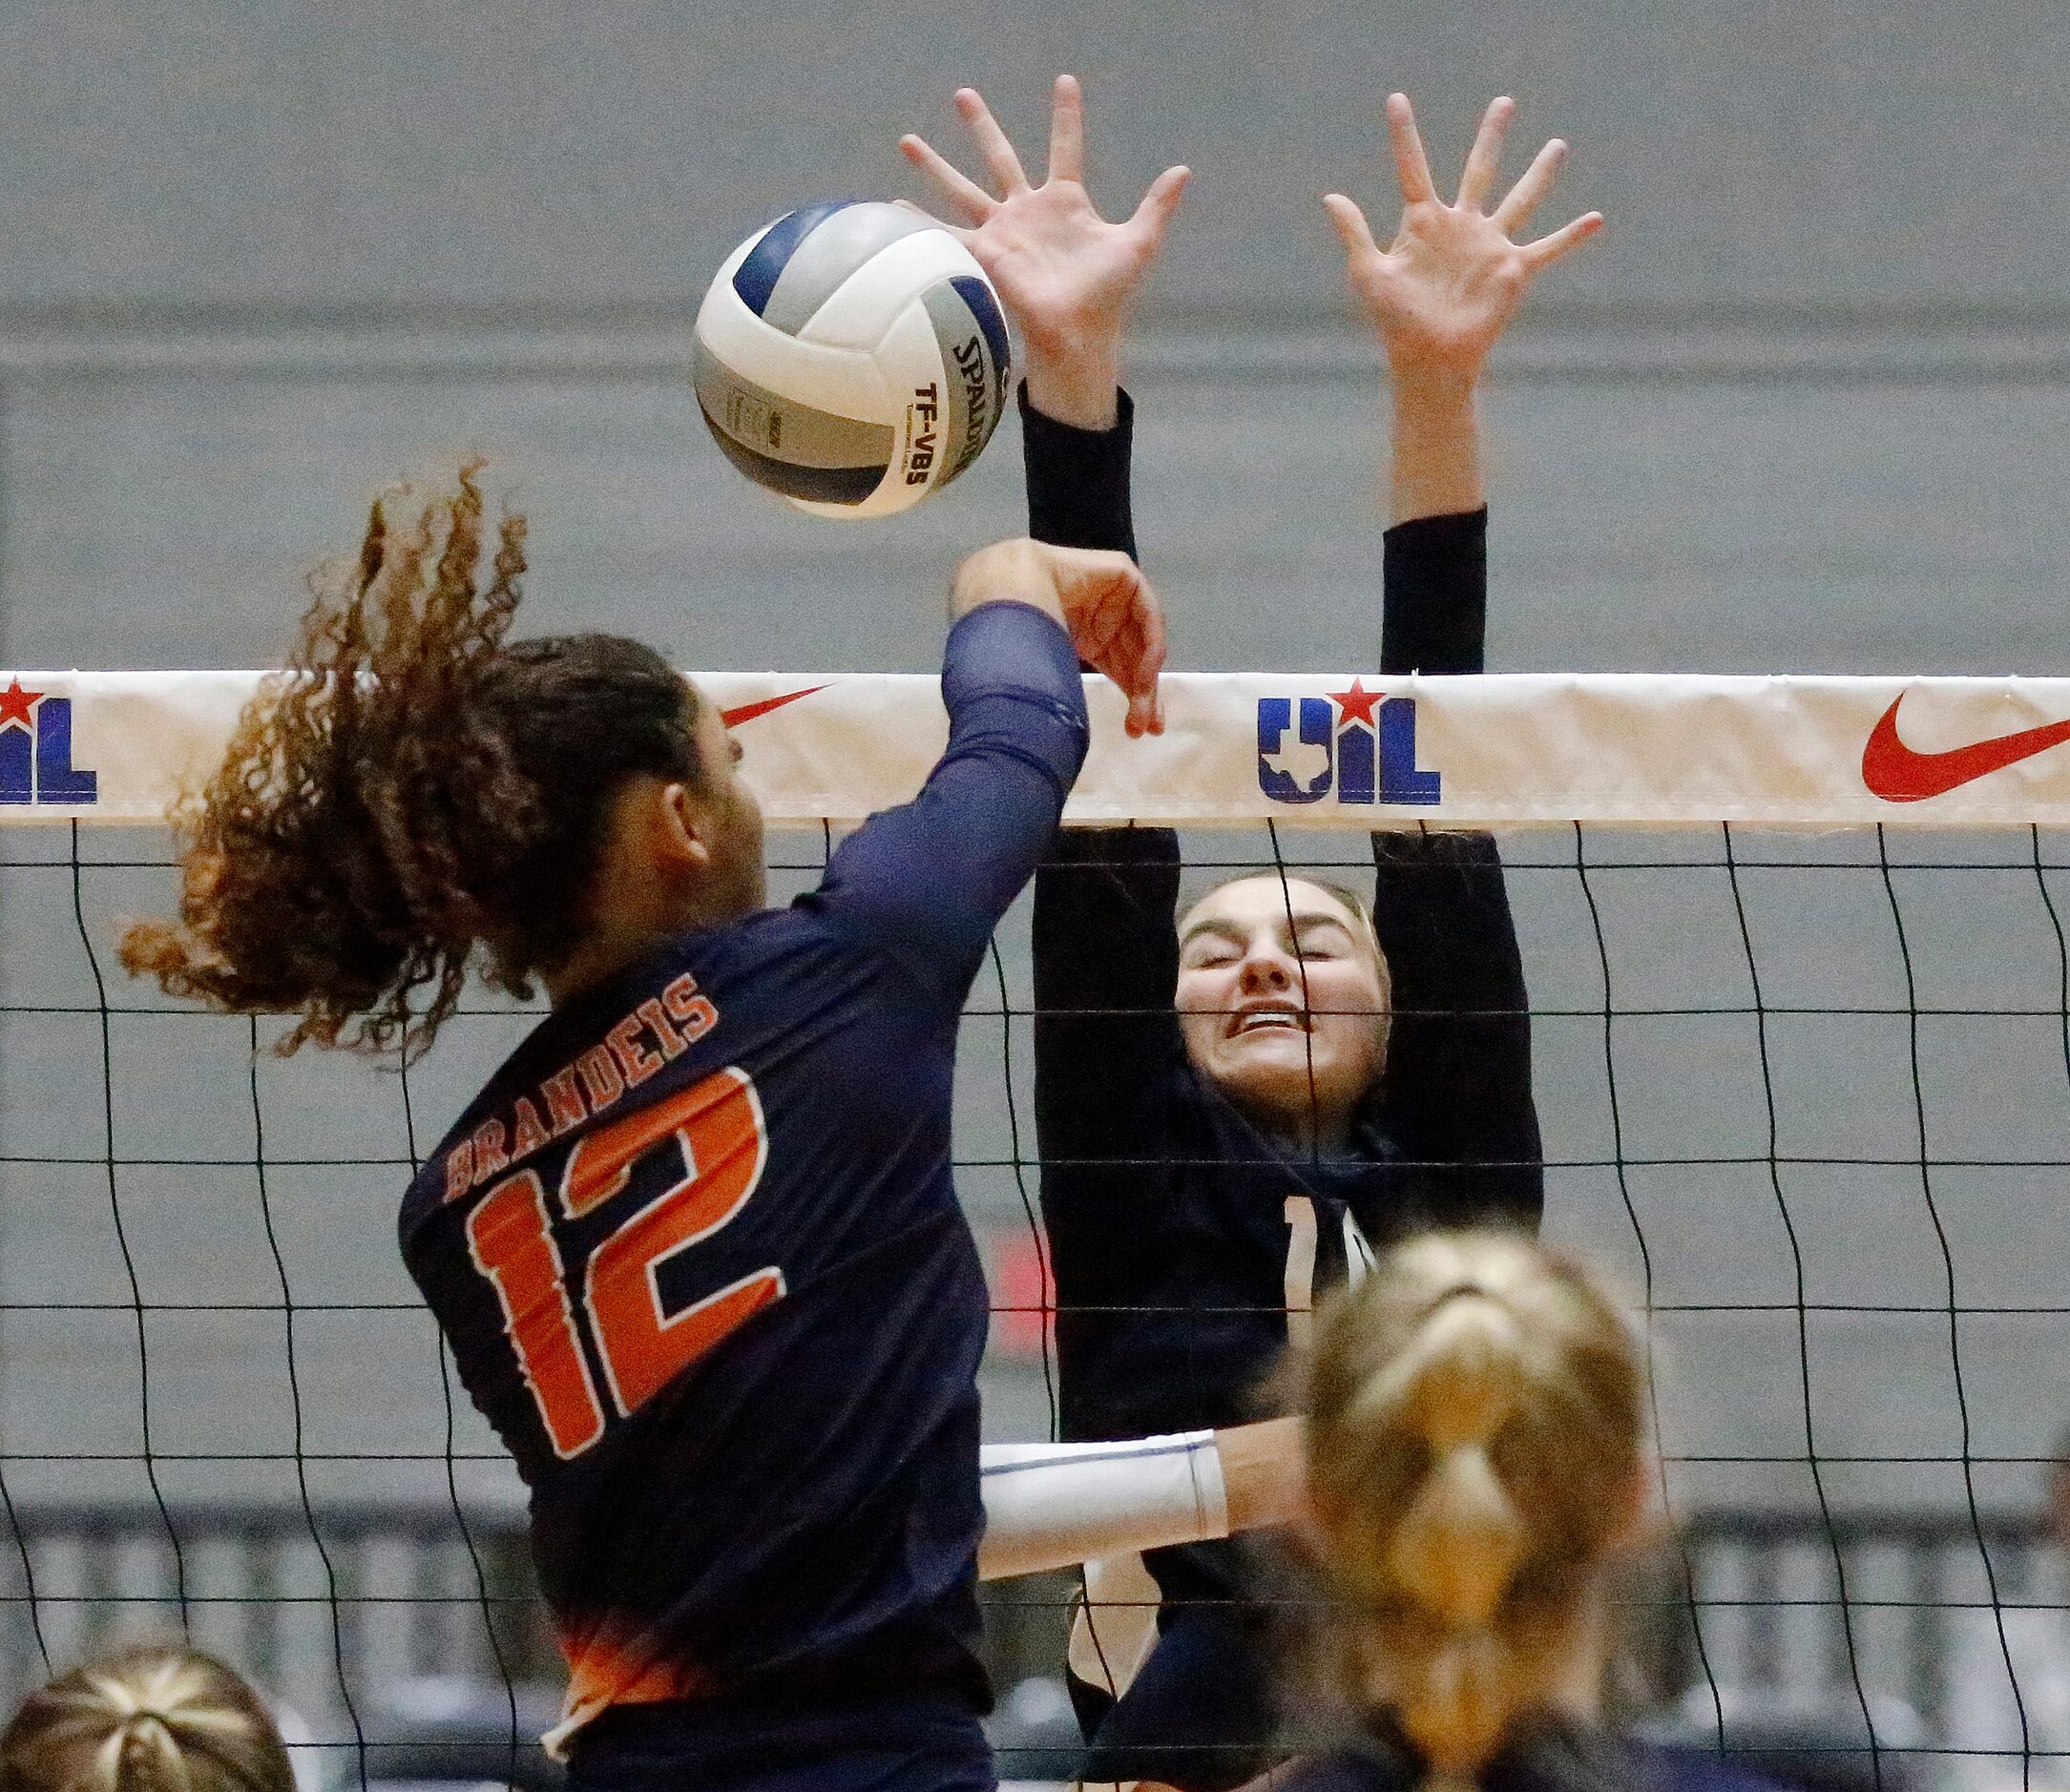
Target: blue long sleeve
{"type": "Point", "coordinates": [929, 880]}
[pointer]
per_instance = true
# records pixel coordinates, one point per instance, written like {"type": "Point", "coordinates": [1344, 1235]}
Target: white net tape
{"type": "Point", "coordinates": [1331, 750]}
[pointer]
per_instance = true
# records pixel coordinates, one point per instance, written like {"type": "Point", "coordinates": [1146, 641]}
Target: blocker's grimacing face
{"type": "Point", "coordinates": [1247, 953]}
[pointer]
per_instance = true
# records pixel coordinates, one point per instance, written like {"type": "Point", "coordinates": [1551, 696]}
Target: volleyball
{"type": "Point", "coordinates": [851, 357]}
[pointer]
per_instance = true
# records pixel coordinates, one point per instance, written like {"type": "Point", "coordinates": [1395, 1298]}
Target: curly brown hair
{"type": "Point", "coordinates": [413, 787]}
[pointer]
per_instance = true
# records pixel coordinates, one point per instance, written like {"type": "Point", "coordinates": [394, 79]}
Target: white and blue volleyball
{"type": "Point", "coordinates": [852, 357]}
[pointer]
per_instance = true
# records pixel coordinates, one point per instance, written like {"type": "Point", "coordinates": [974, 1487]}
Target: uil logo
{"type": "Point", "coordinates": [1338, 742]}
{"type": "Point", "coordinates": [35, 750]}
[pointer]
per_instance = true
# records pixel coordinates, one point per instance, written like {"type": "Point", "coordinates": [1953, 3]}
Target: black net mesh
{"type": "Point", "coordinates": [1809, 1095]}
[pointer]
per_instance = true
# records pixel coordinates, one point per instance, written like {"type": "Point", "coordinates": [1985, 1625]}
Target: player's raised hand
{"type": "Point", "coordinates": [1065, 273]}
{"type": "Point", "coordinates": [1101, 597]}
{"type": "Point", "coordinates": [1441, 293]}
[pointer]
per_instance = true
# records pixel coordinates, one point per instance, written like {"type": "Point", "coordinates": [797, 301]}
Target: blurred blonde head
{"type": "Point", "coordinates": [148, 1719]}
{"type": "Point", "coordinates": [1476, 1448]}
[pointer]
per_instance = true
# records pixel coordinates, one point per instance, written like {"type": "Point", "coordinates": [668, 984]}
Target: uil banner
{"type": "Point", "coordinates": [1330, 750]}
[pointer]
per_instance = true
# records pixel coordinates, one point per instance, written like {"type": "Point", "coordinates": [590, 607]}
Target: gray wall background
{"type": "Point", "coordinates": [1804, 405]}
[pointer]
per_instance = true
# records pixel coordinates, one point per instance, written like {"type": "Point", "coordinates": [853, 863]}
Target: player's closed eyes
{"type": "Point", "coordinates": [1326, 940]}
{"type": "Point", "coordinates": [1213, 951]}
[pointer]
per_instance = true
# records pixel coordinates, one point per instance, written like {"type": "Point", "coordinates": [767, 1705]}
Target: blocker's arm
{"type": "Point", "coordinates": [1065, 273]}
{"type": "Point", "coordinates": [1457, 1095]}
{"type": "Point", "coordinates": [1055, 1505]}
{"type": "Point", "coordinates": [1440, 295]}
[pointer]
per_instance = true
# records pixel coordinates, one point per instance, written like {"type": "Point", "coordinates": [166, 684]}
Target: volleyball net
{"type": "Point", "coordinates": [1800, 1008]}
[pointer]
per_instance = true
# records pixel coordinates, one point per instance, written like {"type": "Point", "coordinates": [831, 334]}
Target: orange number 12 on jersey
{"type": "Point", "coordinates": [716, 1131]}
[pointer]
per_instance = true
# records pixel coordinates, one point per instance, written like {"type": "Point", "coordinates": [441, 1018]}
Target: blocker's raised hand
{"type": "Point", "coordinates": [1066, 272]}
{"type": "Point", "coordinates": [1443, 290]}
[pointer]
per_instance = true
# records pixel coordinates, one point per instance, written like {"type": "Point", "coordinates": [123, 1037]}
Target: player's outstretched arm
{"type": "Point", "coordinates": [1441, 294]}
{"type": "Point", "coordinates": [928, 882]}
{"type": "Point", "coordinates": [1067, 275]}
{"type": "Point", "coordinates": [1057, 1505]}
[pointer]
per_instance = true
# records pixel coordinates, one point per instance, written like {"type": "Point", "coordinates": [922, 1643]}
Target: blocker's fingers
{"type": "Point", "coordinates": [1410, 165]}
{"type": "Point", "coordinates": [1151, 219]}
{"type": "Point", "coordinates": [1353, 229]}
{"type": "Point", "coordinates": [956, 187]}
{"type": "Point", "coordinates": [1547, 250]}
{"type": "Point", "coordinates": [1067, 130]}
{"type": "Point", "coordinates": [956, 231]}
{"type": "Point", "coordinates": [1522, 199]}
{"type": "Point", "coordinates": [1478, 179]}
{"type": "Point", "coordinates": [1000, 162]}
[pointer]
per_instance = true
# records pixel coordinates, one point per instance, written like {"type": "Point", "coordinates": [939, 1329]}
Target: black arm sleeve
{"type": "Point", "coordinates": [1456, 1096]}
{"type": "Point", "coordinates": [1077, 479]}
{"type": "Point", "coordinates": [1433, 614]}
{"type": "Point", "coordinates": [1106, 947]}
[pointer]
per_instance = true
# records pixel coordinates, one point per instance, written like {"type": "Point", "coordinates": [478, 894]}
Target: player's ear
{"type": "Point", "coordinates": [687, 830]}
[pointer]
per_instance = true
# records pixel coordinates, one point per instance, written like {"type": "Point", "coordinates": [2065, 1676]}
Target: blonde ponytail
{"type": "Point", "coordinates": [149, 1719]}
{"type": "Point", "coordinates": [1475, 1436]}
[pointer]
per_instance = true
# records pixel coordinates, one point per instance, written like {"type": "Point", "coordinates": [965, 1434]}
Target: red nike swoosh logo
{"type": "Point", "coordinates": [747, 712]}
{"type": "Point", "coordinates": [1897, 774]}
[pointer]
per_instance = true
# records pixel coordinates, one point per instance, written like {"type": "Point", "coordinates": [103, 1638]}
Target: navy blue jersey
{"type": "Point", "coordinates": [1179, 1230]}
{"type": "Point", "coordinates": [701, 1263]}
{"type": "Point", "coordinates": [1577, 1760]}
{"type": "Point", "coordinates": [845, 1742]}
{"type": "Point", "coordinates": [1181, 1235]}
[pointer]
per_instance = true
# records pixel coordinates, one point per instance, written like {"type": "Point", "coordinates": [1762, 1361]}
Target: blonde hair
{"type": "Point", "coordinates": [147, 1719]}
{"type": "Point", "coordinates": [1475, 1439]}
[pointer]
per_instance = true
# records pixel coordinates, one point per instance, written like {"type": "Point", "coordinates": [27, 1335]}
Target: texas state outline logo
{"type": "Point", "coordinates": [1359, 742]}
{"type": "Point", "coordinates": [35, 750]}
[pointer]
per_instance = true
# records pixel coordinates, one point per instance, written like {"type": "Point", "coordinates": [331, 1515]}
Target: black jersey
{"type": "Point", "coordinates": [1586, 1762]}
{"type": "Point", "coordinates": [700, 1259]}
{"type": "Point", "coordinates": [1181, 1234]}
{"type": "Point", "coordinates": [1183, 1237]}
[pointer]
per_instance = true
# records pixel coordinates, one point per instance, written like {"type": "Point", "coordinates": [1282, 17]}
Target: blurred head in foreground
{"type": "Point", "coordinates": [147, 1719]}
{"type": "Point", "coordinates": [1476, 1464]}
